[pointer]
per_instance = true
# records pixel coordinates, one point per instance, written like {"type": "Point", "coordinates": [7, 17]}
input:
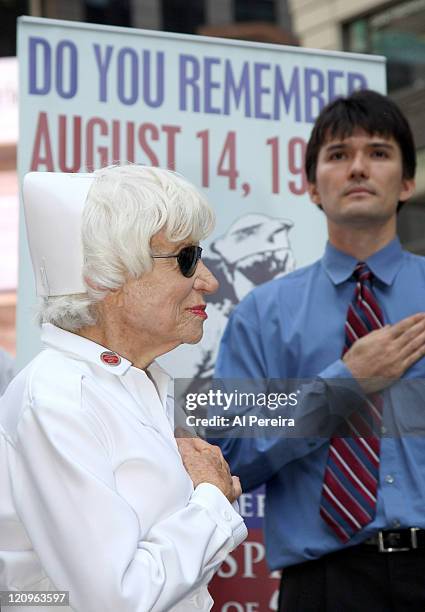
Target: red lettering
{"type": "Point", "coordinates": [274, 144]}
{"type": "Point", "coordinates": [205, 156]}
{"type": "Point", "coordinates": [116, 148]}
{"type": "Point", "coordinates": [75, 145]}
{"type": "Point", "coordinates": [171, 131]}
{"type": "Point", "coordinates": [130, 141]}
{"type": "Point", "coordinates": [144, 128]}
{"type": "Point", "coordinates": [102, 151]}
{"type": "Point", "coordinates": [97, 142]}
{"type": "Point", "coordinates": [227, 163]}
{"type": "Point", "coordinates": [42, 143]}
{"type": "Point", "coordinates": [296, 155]}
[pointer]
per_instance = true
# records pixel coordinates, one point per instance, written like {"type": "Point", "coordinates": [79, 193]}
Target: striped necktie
{"type": "Point", "coordinates": [352, 471]}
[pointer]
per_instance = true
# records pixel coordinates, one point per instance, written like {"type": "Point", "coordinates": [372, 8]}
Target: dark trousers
{"type": "Point", "coordinates": [358, 579]}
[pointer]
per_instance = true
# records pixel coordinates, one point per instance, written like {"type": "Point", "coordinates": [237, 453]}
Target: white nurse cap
{"type": "Point", "coordinates": [53, 205]}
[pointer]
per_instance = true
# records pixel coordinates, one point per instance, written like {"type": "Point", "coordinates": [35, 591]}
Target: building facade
{"type": "Point", "coordinates": [396, 30]}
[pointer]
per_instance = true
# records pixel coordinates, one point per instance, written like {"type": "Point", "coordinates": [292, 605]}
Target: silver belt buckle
{"type": "Point", "coordinates": [414, 537]}
{"type": "Point", "coordinates": [413, 542]}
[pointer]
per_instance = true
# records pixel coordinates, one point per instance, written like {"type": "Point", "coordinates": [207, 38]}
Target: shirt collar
{"type": "Point", "coordinates": [384, 263]}
{"type": "Point", "coordinates": [138, 382]}
{"type": "Point", "coordinates": [84, 349]}
{"type": "Point", "coordinates": [162, 381]}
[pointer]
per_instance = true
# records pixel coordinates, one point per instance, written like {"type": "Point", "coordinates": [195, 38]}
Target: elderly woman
{"type": "Point", "coordinates": [97, 497]}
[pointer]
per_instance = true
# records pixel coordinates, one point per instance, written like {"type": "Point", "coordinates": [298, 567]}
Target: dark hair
{"type": "Point", "coordinates": [369, 111]}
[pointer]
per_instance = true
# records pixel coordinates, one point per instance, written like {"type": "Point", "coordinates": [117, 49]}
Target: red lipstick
{"type": "Point", "coordinates": [199, 310]}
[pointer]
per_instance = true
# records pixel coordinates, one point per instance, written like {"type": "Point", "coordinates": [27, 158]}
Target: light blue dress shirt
{"type": "Point", "coordinates": [293, 327]}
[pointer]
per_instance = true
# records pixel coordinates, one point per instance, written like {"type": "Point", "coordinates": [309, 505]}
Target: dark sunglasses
{"type": "Point", "coordinates": [187, 259]}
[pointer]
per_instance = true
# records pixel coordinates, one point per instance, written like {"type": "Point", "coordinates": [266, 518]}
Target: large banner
{"type": "Point", "coordinates": [231, 116]}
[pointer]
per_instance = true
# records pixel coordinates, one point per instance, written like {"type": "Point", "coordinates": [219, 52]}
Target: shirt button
{"type": "Point", "coordinates": [227, 515]}
{"type": "Point", "coordinates": [396, 524]}
{"type": "Point", "coordinates": [389, 479]}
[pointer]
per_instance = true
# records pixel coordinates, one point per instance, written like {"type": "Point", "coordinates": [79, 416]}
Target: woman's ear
{"type": "Point", "coordinates": [95, 287]}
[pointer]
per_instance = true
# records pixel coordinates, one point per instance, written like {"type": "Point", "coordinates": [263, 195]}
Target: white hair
{"type": "Point", "coordinates": [126, 206]}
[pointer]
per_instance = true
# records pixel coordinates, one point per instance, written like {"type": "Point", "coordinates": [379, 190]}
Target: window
{"type": "Point", "coordinates": [110, 12]}
{"type": "Point", "coordinates": [254, 10]}
{"type": "Point", "coordinates": [398, 33]}
{"type": "Point", "coordinates": [184, 17]}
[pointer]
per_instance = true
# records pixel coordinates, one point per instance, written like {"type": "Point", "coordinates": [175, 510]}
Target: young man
{"type": "Point", "coordinates": [336, 507]}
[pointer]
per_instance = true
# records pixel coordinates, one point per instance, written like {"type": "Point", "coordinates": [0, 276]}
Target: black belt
{"type": "Point", "coordinates": [397, 540]}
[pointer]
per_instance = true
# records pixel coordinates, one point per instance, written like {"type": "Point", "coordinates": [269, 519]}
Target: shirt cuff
{"type": "Point", "coordinates": [222, 511]}
{"type": "Point", "coordinates": [344, 392]}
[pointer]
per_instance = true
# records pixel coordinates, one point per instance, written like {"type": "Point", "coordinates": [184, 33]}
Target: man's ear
{"type": "Point", "coordinates": [408, 187]}
{"type": "Point", "coordinates": [313, 193]}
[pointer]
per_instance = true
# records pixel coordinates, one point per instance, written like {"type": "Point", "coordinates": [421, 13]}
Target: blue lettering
{"type": "Point", "coordinates": [260, 90]}
{"type": "Point", "coordinates": [292, 94]}
{"type": "Point", "coordinates": [70, 70]}
{"type": "Point", "coordinates": [187, 80]}
{"type": "Point", "coordinates": [209, 85]}
{"type": "Point", "coordinates": [147, 94]}
{"type": "Point", "coordinates": [103, 66]}
{"type": "Point", "coordinates": [333, 88]}
{"type": "Point", "coordinates": [313, 92]}
{"type": "Point", "coordinates": [36, 88]}
{"type": "Point", "coordinates": [133, 80]}
{"type": "Point", "coordinates": [236, 91]}
{"type": "Point", "coordinates": [356, 81]}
